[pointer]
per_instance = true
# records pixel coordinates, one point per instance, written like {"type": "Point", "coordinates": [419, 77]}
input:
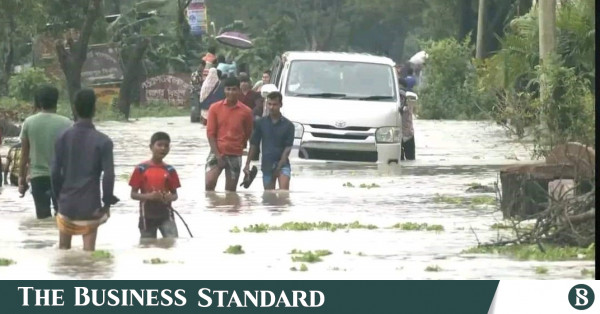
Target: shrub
{"type": "Point", "coordinates": [22, 85]}
{"type": "Point", "coordinates": [451, 91]}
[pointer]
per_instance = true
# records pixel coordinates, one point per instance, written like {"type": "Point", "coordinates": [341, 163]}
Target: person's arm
{"type": "Point", "coordinates": [24, 161]}
{"type": "Point", "coordinates": [211, 133]}
{"type": "Point", "coordinates": [289, 143]}
{"type": "Point", "coordinates": [254, 143]}
{"type": "Point", "coordinates": [56, 170]}
{"type": "Point", "coordinates": [138, 196]}
{"type": "Point", "coordinates": [108, 173]}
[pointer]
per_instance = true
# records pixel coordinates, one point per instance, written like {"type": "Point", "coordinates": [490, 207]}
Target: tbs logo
{"type": "Point", "coordinates": [581, 297]}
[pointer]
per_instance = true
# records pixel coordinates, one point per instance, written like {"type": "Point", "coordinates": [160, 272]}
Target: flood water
{"type": "Point", "coordinates": [450, 155]}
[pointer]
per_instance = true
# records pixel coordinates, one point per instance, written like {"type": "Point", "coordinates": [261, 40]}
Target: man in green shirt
{"type": "Point", "coordinates": [38, 135]}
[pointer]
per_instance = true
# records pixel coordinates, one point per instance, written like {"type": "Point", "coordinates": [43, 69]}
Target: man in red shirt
{"type": "Point", "coordinates": [228, 129]}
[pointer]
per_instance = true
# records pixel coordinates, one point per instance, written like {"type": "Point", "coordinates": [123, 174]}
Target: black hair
{"type": "Point", "coordinates": [267, 72]}
{"type": "Point", "coordinates": [85, 103]}
{"type": "Point", "coordinates": [159, 136]}
{"type": "Point", "coordinates": [244, 79]}
{"type": "Point", "coordinates": [275, 95]}
{"type": "Point", "coordinates": [221, 59]}
{"type": "Point", "coordinates": [410, 71]}
{"type": "Point", "coordinates": [46, 97]}
{"type": "Point", "coordinates": [202, 63]}
{"type": "Point", "coordinates": [231, 82]}
{"type": "Point", "coordinates": [212, 50]}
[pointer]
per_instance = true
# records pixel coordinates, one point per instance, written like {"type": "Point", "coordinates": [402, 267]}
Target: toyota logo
{"type": "Point", "coordinates": [340, 124]}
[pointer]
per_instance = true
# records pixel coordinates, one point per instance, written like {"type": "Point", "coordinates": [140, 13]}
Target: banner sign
{"type": "Point", "coordinates": [247, 296]}
{"type": "Point", "coordinates": [196, 13]}
{"type": "Point", "coordinates": [171, 88]}
{"type": "Point", "coordinates": [101, 65]}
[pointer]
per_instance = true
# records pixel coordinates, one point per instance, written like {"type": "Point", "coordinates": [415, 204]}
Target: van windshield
{"type": "Point", "coordinates": [341, 80]}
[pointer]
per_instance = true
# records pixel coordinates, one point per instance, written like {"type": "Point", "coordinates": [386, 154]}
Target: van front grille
{"type": "Point", "coordinates": [329, 127]}
{"type": "Point", "coordinates": [340, 136]}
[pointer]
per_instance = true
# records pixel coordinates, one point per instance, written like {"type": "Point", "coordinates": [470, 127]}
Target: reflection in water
{"type": "Point", "coordinates": [227, 201]}
{"type": "Point", "coordinates": [161, 243]}
{"type": "Point", "coordinates": [276, 198]}
{"type": "Point", "coordinates": [80, 264]}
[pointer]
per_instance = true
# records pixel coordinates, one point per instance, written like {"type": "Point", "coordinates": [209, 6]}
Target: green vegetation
{"type": "Point", "coordinates": [124, 176]}
{"type": "Point", "coordinates": [348, 185]}
{"type": "Point", "coordinates": [234, 249]}
{"type": "Point", "coordinates": [369, 186]}
{"type": "Point", "coordinates": [500, 226]}
{"type": "Point", "coordinates": [460, 200]}
{"type": "Point", "coordinates": [413, 226]}
{"type": "Point", "coordinates": [541, 270]}
{"type": "Point", "coordinates": [309, 256]}
{"type": "Point", "coordinates": [533, 252]}
{"type": "Point", "coordinates": [303, 267]}
{"type": "Point", "coordinates": [101, 254]}
{"type": "Point", "coordinates": [155, 261]}
{"type": "Point", "coordinates": [361, 254]}
{"type": "Point", "coordinates": [235, 230]}
{"type": "Point", "coordinates": [347, 252]}
{"type": "Point", "coordinates": [433, 268]}
{"type": "Point", "coordinates": [6, 262]}
{"type": "Point", "coordinates": [307, 226]}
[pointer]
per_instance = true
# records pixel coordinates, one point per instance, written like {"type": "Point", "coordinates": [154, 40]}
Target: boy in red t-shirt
{"type": "Point", "coordinates": [155, 184]}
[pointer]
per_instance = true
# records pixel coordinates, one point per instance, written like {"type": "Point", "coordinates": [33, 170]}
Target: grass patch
{"type": "Point", "coordinates": [348, 185]}
{"type": "Point", "coordinates": [235, 230]}
{"type": "Point", "coordinates": [412, 226]}
{"type": "Point", "coordinates": [6, 262]}
{"type": "Point", "coordinates": [433, 268]}
{"type": "Point", "coordinates": [500, 226]}
{"type": "Point", "coordinates": [347, 252]}
{"type": "Point", "coordinates": [533, 252]}
{"type": "Point", "coordinates": [101, 254]}
{"type": "Point", "coordinates": [155, 261]}
{"type": "Point", "coordinates": [303, 267]}
{"type": "Point", "coordinates": [361, 254]}
{"type": "Point", "coordinates": [588, 273]}
{"type": "Point", "coordinates": [459, 200]}
{"type": "Point", "coordinates": [307, 226]}
{"type": "Point", "coordinates": [309, 256]}
{"type": "Point", "coordinates": [234, 249]}
{"type": "Point", "coordinates": [541, 270]}
{"type": "Point", "coordinates": [369, 186]}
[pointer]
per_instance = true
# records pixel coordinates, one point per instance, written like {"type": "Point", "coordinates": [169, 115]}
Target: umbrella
{"type": "Point", "coordinates": [235, 39]}
{"type": "Point", "coordinates": [419, 58]}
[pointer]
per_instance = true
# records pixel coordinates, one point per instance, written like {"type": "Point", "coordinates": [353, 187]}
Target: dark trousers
{"type": "Point", "coordinates": [41, 189]}
{"type": "Point", "coordinates": [408, 150]}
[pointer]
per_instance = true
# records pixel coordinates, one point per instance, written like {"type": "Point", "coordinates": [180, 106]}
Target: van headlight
{"type": "Point", "coordinates": [388, 134]}
{"type": "Point", "coordinates": [298, 130]}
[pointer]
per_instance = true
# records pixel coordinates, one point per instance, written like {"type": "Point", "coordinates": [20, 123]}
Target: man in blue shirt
{"type": "Point", "coordinates": [277, 136]}
{"type": "Point", "coordinates": [411, 81]}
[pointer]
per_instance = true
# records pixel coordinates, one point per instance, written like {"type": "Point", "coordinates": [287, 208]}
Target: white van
{"type": "Point", "coordinates": [344, 106]}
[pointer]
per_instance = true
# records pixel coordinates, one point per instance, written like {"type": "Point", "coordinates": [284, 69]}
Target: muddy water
{"type": "Point", "coordinates": [450, 156]}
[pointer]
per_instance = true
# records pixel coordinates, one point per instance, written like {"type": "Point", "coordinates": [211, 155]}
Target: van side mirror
{"type": "Point", "coordinates": [267, 89]}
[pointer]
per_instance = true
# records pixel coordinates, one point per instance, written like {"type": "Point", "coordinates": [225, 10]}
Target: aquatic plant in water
{"type": "Point", "coordinates": [532, 252]}
{"type": "Point", "coordinates": [541, 270]}
{"type": "Point", "coordinates": [6, 262]}
{"type": "Point", "coordinates": [101, 254]}
{"type": "Point", "coordinates": [308, 226]}
{"type": "Point", "coordinates": [434, 268]}
{"type": "Point", "coordinates": [155, 260]}
{"type": "Point", "coordinates": [234, 249]}
{"type": "Point", "coordinates": [413, 226]}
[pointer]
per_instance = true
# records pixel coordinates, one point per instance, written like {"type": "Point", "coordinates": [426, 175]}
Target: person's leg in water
{"type": "Point", "coordinates": [40, 189]}
{"type": "Point", "coordinates": [233, 167]}
{"type": "Point", "coordinates": [64, 240]}
{"type": "Point", "coordinates": [212, 173]}
{"type": "Point", "coordinates": [284, 178]}
{"type": "Point", "coordinates": [89, 240]}
{"type": "Point", "coordinates": [168, 229]}
{"type": "Point", "coordinates": [409, 148]}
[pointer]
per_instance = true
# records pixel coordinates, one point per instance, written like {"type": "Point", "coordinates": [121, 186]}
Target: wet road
{"type": "Point", "coordinates": [451, 154]}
